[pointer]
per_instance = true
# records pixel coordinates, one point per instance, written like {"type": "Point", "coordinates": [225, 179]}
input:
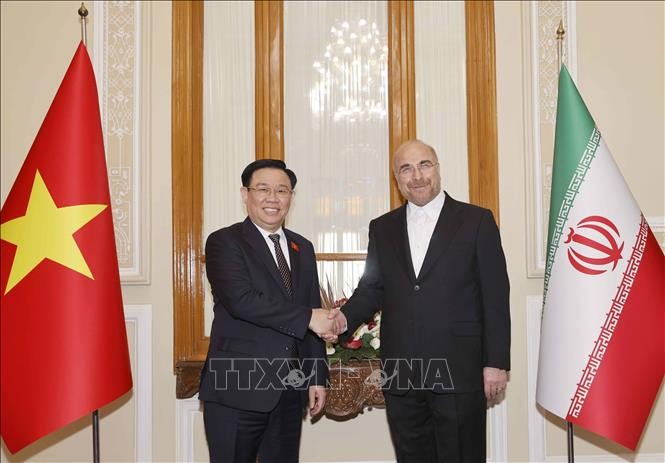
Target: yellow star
{"type": "Point", "coordinates": [45, 232]}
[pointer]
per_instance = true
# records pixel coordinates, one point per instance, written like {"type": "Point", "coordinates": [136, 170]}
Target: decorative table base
{"type": "Point", "coordinates": [354, 386]}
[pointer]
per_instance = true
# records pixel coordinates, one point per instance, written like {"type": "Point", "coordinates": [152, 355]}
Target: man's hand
{"type": "Point", "coordinates": [317, 400]}
{"type": "Point", "coordinates": [495, 382]}
{"type": "Point", "coordinates": [339, 322]}
{"type": "Point", "coordinates": [322, 325]}
{"type": "Point", "coordinates": [327, 324]}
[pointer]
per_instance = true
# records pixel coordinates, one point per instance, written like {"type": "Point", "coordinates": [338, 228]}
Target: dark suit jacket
{"type": "Point", "coordinates": [457, 309]}
{"type": "Point", "coordinates": [256, 324]}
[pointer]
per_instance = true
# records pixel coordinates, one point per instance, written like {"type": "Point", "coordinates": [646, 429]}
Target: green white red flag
{"type": "Point", "coordinates": [602, 346]}
{"type": "Point", "coordinates": [64, 343]}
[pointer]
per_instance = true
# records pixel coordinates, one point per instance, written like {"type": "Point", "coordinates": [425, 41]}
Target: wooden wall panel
{"type": "Point", "coordinates": [187, 182]}
{"type": "Point", "coordinates": [269, 81]}
{"type": "Point", "coordinates": [401, 84]}
{"type": "Point", "coordinates": [481, 106]}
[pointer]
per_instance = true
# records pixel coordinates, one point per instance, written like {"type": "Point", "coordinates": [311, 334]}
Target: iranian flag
{"type": "Point", "coordinates": [602, 343]}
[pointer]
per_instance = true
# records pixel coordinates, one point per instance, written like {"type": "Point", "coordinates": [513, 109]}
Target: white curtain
{"type": "Point", "coordinates": [336, 126]}
{"type": "Point", "coordinates": [440, 49]}
{"type": "Point", "coordinates": [335, 119]}
{"type": "Point", "coordinates": [228, 113]}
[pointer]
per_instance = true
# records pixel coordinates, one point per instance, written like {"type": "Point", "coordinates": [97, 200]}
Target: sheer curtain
{"type": "Point", "coordinates": [336, 125]}
{"type": "Point", "coordinates": [228, 114]}
{"type": "Point", "coordinates": [440, 53]}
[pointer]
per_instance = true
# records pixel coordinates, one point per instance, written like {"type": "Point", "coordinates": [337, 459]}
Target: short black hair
{"type": "Point", "coordinates": [246, 175]}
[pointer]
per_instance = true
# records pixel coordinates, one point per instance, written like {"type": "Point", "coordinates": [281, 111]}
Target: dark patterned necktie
{"type": "Point", "coordinates": [281, 263]}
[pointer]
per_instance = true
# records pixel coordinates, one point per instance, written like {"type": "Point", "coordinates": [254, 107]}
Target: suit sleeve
{"type": "Point", "coordinates": [368, 296]}
{"type": "Point", "coordinates": [313, 351]}
{"type": "Point", "coordinates": [231, 282]}
{"type": "Point", "coordinates": [495, 291]}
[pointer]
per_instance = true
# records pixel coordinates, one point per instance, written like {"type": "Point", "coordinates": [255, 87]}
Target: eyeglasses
{"type": "Point", "coordinates": [424, 167]}
{"type": "Point", "coordinates": [264, 191]}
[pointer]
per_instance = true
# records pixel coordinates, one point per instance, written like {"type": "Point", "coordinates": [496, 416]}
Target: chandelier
{"type": "Point", "coordinates": [351, 75]}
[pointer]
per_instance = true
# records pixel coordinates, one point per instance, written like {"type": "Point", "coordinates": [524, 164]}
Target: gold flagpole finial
{"type": "Point", "coordinates": [83, 13]}
{"type": "Point", "coordinates": [560, 34]}
{"type": "Point", "coordinates": [560, 31]}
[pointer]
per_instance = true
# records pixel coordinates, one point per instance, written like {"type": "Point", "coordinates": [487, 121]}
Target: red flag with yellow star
{"type": "Point", "coordinates": [64, 345]}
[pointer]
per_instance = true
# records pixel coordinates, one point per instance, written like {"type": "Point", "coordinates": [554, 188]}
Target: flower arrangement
{"type": "Point", "coordinates": [365, 342]}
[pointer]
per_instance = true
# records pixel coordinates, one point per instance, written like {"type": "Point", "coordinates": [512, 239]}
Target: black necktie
{"type": "Point", "coordinates": [281, 263]}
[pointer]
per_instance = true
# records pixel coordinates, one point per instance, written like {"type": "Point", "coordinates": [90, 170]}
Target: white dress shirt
{"type": "Point", "coordinates": [420, 223]}
{"type": "Point", "coordinates": [282, 243]}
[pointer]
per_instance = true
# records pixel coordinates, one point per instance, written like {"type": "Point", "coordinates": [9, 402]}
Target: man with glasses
{"type": "Point", "coordinates": [264, 352]}
{"type": "Point", "coordinates": [436, 268]}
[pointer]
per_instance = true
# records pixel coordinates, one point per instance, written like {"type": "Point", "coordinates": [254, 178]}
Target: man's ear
{"type": "Point", "coordinates": [243, 194]}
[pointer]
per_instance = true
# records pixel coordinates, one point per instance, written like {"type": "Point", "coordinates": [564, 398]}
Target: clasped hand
{"type": "Point", "coordinates": [328, 324]}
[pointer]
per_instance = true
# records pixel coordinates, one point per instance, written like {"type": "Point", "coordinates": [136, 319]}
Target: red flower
{"type": "Point", "coordinates": [295, 247]}
{"type": "Point", "coordinates": [371, 324]}
{"type": "Point", "coordinates": [354, 344]}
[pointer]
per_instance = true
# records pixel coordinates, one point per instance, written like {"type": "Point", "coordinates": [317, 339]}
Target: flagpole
{"type": "Point", "coordinates": [571, 453]}
{"type": "Point", "coordinates": [83, 13]}
{"type": "Point", "coordinates": [95, 436]}
{"type": "Point", "coordinates": [560, 33]}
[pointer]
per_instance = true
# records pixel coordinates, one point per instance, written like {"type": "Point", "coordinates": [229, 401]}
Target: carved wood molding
{"type": "Point", "coordinates": [188, 374]}
{"type": "Point", "coordinates": [269, 80]}
{"type": "Point", "coordinates": [402, 84]}
{"type": "Point", "coordinates": [481, 106]}
{"type": "Point", "coordinates": [353, 387]}
{"type": "Point", "coordinates": [187, 190]}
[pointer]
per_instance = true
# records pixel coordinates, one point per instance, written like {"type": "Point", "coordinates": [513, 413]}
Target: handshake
{"type": "Point", "coordinates": [328, 324]}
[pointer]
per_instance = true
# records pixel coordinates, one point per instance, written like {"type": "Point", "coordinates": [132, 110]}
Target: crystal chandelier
{"type": "Point", "coordinates": [352, 74]}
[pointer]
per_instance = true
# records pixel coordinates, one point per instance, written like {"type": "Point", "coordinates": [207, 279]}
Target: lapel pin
{"type": "Point", "coordinates": [295, 247]}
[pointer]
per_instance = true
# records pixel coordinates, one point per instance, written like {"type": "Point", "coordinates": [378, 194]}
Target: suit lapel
{"type": "Point", "coordinates": [444, 231]}
{"type": "Point", "coordinates": [256, 241]}
{"type": "Point", "coordinates": [400, 235]}
{"type": "Point", "coordinates": [294, 260]}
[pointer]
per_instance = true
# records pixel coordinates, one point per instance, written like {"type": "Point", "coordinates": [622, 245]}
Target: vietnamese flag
{"type": "Point", "coordinates": [64, 345]}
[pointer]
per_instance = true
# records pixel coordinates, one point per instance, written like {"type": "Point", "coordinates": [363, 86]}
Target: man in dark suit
{"type": "Point", "coordinates": [436, 268]}
{"type": "Point", "coordinates": [264, 355]}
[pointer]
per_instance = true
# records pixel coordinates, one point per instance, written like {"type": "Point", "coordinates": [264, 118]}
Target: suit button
{"type": "Point", "coordinates": [416, 288]}
{"type": "Point", "coordinates": [286, 348]}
